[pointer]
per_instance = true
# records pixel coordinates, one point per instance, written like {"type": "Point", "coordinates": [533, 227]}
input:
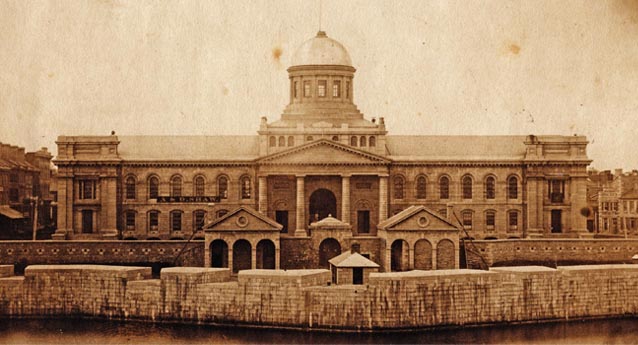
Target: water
{"type": "Point", "coordinates": [74, 331]}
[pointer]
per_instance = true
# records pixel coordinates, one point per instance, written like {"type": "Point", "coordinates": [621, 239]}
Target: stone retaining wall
{"type": "Point", "coordinates": [305, 299]}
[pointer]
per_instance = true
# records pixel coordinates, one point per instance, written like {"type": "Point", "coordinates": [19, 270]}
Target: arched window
{"type": "Point", "coordinates": [490, 188]}
{"type": "Point", "coordinates": [444, 187]}
{"type": "Point", "coordinates": [362, 142]}
{"type": "Point", "coordinates": [176, 186]}
{"type": "Point", "coordinates": [291, 141]}
{"type": "Point", "coordinates": [246, 191]}
{"type": "Point", "coordinates": [176, 220]}
{"type": "Point", "coordinates": [421, 187]}
{"type": "Point", "coordinates": [309, 138]}
{"type": "Point", "coordinates": [490, 220]}
{"type": "Point", "coordinates": [372, 142]}
{"type": "Point", "coordinates": [466, 186]}
{"type": "Point", "coordinates": [335, 138]}
{"type": "Point", "coordinates": [282, 141]}
{"type": "Point", "coordinates": [222, 187]}
{"type": "Point", "coordinates": [130, 187]}
{"type": "Point", "coordinates": [153, 187]}
{"type": "Point", "coordinates": [398, 187]}
{"type": "Point", "coordinates": [221, 213]}
{"type": "Point", "coordinates": [272, 142]}
{"type": "Point", "coordinates": [466, 219]}
{"type": "Point", "coordinates": [512, 187]}
{"type": "Point", "coordinates": [200, 186]}
{"type": "Point", "coordinates": [353, 141]}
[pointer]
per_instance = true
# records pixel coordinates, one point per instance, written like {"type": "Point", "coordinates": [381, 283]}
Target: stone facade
{"type": "Point", "coordinates": [613, 200]}
{"type": "Point", "coordinates": [305, 299]}
{"type": "Point", "coordinates": [321, 158]}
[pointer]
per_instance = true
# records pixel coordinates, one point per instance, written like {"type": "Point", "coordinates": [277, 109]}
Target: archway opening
{"type": "Point", "coordinates": [241, 256]}
{"type": "Point", "coordinates": [218, 254]}
{"type": "Point", "coordinates": [423, 255]}
{"type": "Point", "coordinates": [445, 255]}
{"type": "Point", "coordinates": [266, 255]}
{"type": "Point", "coordinates": [328, 249]}
{"type": "Point", "coordinates": [399, 256]}
{"type": "Point", "coordinates": [322, 203]}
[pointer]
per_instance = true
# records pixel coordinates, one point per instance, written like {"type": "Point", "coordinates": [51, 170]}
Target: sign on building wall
{"type": "Point", "coordinates": [169, 199]}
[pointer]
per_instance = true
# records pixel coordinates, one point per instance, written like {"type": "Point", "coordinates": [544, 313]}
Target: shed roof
{"type": "Point", "coordinates": [349, 259]}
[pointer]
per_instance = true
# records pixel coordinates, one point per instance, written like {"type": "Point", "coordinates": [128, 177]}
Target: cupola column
{"type": "Point", "coordinates": [300, 230]}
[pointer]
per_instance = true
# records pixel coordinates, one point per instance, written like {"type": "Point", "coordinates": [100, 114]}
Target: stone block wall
{"type": "Point", "coordinates": [303, 298]}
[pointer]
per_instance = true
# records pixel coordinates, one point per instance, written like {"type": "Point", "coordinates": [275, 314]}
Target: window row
{"type": "Point", "coordinates": [176, 187]}
{"type": "Point", "coordinates": [176, 218]}
{"type": "Point", "coordinates": [361, 141]}
{"type": "Point", "coordinates": [444, 187]}
{"type": "Point", "coordinates": [467, 219]}
{"type": "Point", "coordinates": [321, 89]}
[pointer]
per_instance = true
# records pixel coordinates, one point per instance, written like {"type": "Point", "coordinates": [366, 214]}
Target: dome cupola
{"type": "Point", "coordinates": [321, 50]}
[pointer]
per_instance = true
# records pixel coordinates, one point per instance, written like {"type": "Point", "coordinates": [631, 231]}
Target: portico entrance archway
{"type": "Point", "coordinates": [266, 254]}
{"type": "Point", "coordinates": [219, 253]}
{"type": "Point", "coordinates": [322, 203]}
{"type": "Point", "coordinates": [328, 249]}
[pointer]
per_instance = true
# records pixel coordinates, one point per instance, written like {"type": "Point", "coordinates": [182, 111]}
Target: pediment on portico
{"type": "Point", "coordinates": [417, 218]}
{"type": "Point", "coordinates": [324, 152]}
{"type": "Point", "coordinates": [243, 219]}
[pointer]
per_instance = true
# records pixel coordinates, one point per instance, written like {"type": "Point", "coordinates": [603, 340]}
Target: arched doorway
{"type": "Point", "coordinates": [328, 249]}
{"type": "Point", "coordinates": [218, 254]}
{"type": "Point", "coordinates": [445, 255]}
{"type": "Point", "coordinates": [399, 256]}
{"type": "Point", "coordinates": [241, 256]}
{"type": "Point", "coordinates": [322, 203]}
{"type": "Point", "coordinates": [423, 255]}
{"type": "Point", "coordinates": [266, 254]}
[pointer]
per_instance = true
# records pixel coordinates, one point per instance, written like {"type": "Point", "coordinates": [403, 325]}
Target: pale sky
{"type": "Point", "coordinates": [215, 67]}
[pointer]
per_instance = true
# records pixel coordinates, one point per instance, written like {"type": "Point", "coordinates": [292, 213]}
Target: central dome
{"type": "Point", "coordinates": [321, 50]}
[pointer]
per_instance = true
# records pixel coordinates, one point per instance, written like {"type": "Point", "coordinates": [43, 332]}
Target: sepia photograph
{"type": "Point", "coordinates": [318, 172]}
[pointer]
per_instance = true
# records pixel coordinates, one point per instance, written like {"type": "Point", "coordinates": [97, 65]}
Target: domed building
{"type": "Point", "coordinates": [320, 180]}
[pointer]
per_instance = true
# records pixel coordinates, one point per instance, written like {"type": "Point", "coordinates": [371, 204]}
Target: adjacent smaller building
{"type": "Point", "coordinates": [351, 268]}
{"type": "Point", "coordinates": [613, 202]}
{"type": "Point", "coordinates": [25, 180]}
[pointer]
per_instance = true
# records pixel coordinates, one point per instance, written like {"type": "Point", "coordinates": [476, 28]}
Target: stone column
{"type": "Point", "coordinates": [345, 198]}
{"type": "Point", "coordinates": [410, 257]}
{"type": "Point", "coordinates": [65, 206]}
{"type": "Point", "coordinates": [433, 257]}
{"type": "Point", "coordinates": [253, 257]}
{"type": "Point", "coordinates": [277, 257]}
{"type": "Point", "coordinates": [388, 260]}
{"type": "Point", "coordinates": [300, 230]}
{"type": "Point", "coordinates": [383, 198]}
{"type": "Point", "coordinates": [263, 195]}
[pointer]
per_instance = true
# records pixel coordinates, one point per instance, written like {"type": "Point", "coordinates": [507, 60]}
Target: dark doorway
{"type": "Point", "coordinates": [266, 255]}
{"type": "Point", "coordinates": [556, 221]}
{"type": "Point", "coordinates": [242, 256]}
{"type": "Point", "coordinates": [328, 249]}
{"type": "Point", "coordinates": [398, 255]}
{"type": "Point", "coordinates": [218, 254]}
{"type": "Point", "coordinates": [363, 222]}
{"type": "Point", "coordinates": [357, 275]}
{"type": "Point", "coordinates": [322, 203]}
{"type": "Point", "coordinates": [281, 217]}
{"type": "Point", "coordinates": [87, 221]}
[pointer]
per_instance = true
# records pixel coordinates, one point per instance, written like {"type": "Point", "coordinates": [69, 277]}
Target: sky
{"type": "Point", "coordinates": [213, 67]}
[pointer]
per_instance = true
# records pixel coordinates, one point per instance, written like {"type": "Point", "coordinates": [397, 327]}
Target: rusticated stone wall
{"type": "Point", "coordinates": [23, 253]}
{"type": "Point", "coordinates": [551, 252]}
{"type": "Point", "coordinates": [305, 299]}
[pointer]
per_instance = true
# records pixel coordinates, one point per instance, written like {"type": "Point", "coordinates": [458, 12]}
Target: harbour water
{"type": "Point", "coordinates": [93, 331]}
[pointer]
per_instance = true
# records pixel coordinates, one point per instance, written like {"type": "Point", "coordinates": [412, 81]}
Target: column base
{"type": "Point", "coordinates": [300, 233]}
{"type": "Point", "coordinates": [109, 234]}
{"type": "Point", "coordinates": [59, 235]}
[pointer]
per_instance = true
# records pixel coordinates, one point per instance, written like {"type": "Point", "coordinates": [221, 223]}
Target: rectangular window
{"type": "Point", "coordinates": [336, 89]}
{"type": "Point", "coordinates": [363, 222]}
{"type": "Point", "coordinates": [87, 221]}
{"type": "Point", "coordinates": [556, 191]}
{"type": "Point", "coordinates": [490, 220]}
{"type": "Point", "coordinates": [153, 221]}
{"type": "Point", "coordinates": [467, 220]}
{"type": "Point", "coordinates": [306, 88]}
{"type": "Point", "coordinates": [176, 221]}
{"type": "Point", "coordinates": [13, 178]}
{"type": "Point", "coordinates": [513, 220]}
{"type": "Point", "coordinates": [130, 220]}
{"type": "Point", "coordinates": [199, 220]}
{"type": "Point", "coordinates": [347, 89]}
{"type": "Point", "coordinates": [87, 189]}
{"type": "Point", "coordinates": [321, 88]}
{"type": "Point", "coordinates": [295, 89]}
{"type": "Point", "coordinates": [14, 195]}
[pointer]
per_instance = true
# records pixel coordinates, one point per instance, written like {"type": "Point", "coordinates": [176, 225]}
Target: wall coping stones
{"type": "Point", "coordinates": [523, 269]}
{"type": "Point", "coordinates": [281, 273]}
{"type": "Point", "coordinates": [6, 271]}
{"type": "Point", "coordinates": [128, 272]}
{"type": "Point", "coordinates": [598, 267]}
{"type": "Point", "coordinates": [416, 274]}
{"type": "Point", "coordinates": [191, 270]}
{"type": "Point", "coordinates": [146, 282]}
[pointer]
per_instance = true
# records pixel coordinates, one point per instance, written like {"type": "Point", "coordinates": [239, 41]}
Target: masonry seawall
{"type": "Point", "coordinates": [303, 299]}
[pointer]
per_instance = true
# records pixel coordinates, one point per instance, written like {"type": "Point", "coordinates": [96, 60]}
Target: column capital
{"type": "Point", "coordinates": [300, 175]}
{"type": "Point", "coordinates": [383, 175]}
{"type": "Point", "coordinates": [346, 175]}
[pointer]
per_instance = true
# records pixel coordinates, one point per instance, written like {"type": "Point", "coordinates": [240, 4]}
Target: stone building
{"type": "Point", "coordinates": [322, 158]}
{"type": "Point", "coordinates": [23, 177]}
{"type": "Point", "coordinates": [616, 202]}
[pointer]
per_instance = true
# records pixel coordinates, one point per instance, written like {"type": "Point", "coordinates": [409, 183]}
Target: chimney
{"type": "Point", "coordinates": [618, 172]}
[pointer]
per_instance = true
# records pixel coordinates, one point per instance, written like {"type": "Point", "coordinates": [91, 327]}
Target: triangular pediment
{"type": "Point", "coordinates": [243, 219]}
{"type": "Point", "coordinates": [324, 152]}
{"type": "Point", "coordinates": [417, 218]}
